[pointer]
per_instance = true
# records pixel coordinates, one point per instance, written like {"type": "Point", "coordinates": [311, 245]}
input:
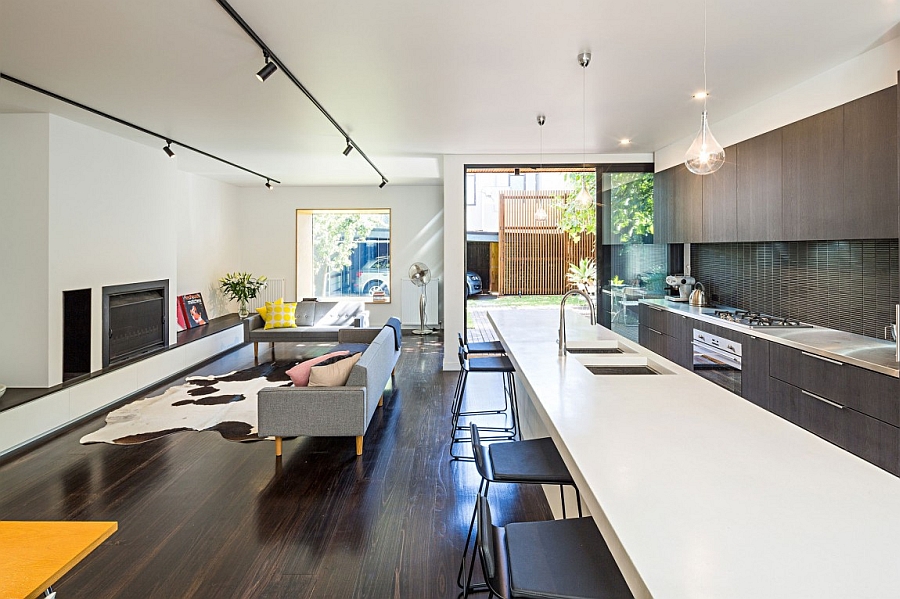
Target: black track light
{"type": "Point", "coordinates": [269, 185]}
{"type": "Point", "coordinates": [383, 183]}
{"type": "Point", "coordinates": [348, 149]}
{"type": "Point", "coordinates": [168, 149]}
{"type": "Point", "coordinates": [267, 70]}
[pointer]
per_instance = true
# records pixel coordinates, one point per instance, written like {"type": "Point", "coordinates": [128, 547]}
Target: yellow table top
{"type": "Point", "coordinates": [34, 555]}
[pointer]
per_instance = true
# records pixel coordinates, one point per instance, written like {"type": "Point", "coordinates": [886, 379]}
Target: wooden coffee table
{"type": "Point", "coordinates": [34, 555]}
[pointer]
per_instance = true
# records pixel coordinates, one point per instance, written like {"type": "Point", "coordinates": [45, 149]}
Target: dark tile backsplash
{"type": "Point", "coordinates": [847, 285]}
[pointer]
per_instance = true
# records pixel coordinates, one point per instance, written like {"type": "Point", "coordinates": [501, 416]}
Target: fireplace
{"type": "Point", "coordinates": [134, 320]}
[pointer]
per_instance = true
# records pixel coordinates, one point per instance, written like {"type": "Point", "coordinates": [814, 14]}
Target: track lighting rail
{"type": "Point", "coordinates": [271, 56]}
{"type": "Point", "coordinates": [169, 141]}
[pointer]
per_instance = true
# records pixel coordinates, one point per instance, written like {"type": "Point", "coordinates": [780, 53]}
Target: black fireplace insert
{"type": "Point", "coordinates": [134, 320]}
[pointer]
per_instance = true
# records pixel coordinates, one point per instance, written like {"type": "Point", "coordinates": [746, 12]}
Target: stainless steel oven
{"type": "Point", "coordinates": [717, 359]}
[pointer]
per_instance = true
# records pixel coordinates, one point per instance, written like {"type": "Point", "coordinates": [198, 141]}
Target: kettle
{"type": "Point", "coordinates": [698, 295]}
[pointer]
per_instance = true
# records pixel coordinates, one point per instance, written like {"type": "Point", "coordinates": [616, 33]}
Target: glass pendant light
{"type": "Point", "coordinates": [705, 156]}
{"type": "Point", "coordinates": [540, 215]}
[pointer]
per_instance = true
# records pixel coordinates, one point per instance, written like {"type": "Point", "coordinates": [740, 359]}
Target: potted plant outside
{"type": "Point", "coordinates": [242, 287]}
{"type": "Point", "coordinates": [583, 275]}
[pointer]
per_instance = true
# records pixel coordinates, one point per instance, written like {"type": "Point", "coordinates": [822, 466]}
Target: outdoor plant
{"type": "Point", "coordinates": [242, 287]}
{"type": "Point", "coordinates": [583, 275]}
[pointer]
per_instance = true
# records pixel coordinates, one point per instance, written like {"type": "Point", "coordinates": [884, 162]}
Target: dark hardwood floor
{"type": "Point", "coordinates": [200, 516]}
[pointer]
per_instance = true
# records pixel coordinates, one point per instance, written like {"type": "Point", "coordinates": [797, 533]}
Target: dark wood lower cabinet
{"type": "Point", "coordinates": [854, 408]}
{"type": "Point", "coordinates": [864, 390]}
{"type": "Point", "coordinates": [654, 340]}
{"type": "Point", "coordinates": [755, 370]}
{"type": "Point", "coordinates": [681, 329]}
{"type": "Point", "coordinates": [874, 441]}
{"type": "Point", "coordinates": [871, 439]}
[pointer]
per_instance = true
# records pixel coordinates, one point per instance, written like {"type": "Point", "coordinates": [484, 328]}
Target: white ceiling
{"type": "Point", "coordinates": [413, 80]}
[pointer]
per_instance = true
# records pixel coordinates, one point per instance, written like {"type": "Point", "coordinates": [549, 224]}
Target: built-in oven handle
{"type": "Point", "coordinates": [823, 358]}
{"type": "Point", "coordinates": [718, 353]}
{"type": "Point", "coordinates": [654, 330]}
{"type": "Point", "coordinates": [822, 399]}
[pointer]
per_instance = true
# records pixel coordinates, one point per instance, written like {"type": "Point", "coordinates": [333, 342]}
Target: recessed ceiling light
{"type": "Point", "coordinates": [624, 141]}
{"type": "Point", "coordinates": [700, 95]}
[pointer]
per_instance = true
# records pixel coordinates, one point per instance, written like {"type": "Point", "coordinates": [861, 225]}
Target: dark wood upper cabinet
{"type": "Point", "coordinates": [813, 173]}
{"type": "Point", "coordinates": [759, 203]}
{"type": "Point", "coordinates": [870, 167]}
{"type": "Point", "coordinates": [720, 201]}
{"type": "Point", "coordinates": [831, 176]}
{"type": "Point", "coordinates": [662, 191]}
{"type": "Point", "coordinates": [688, 202]}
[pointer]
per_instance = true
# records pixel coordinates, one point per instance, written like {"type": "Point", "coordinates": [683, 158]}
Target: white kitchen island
{"type": "Point", "coordinates": [699, 493]}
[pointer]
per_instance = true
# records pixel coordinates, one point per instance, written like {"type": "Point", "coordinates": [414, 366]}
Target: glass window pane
{"type": "Point", "coordinates": [349, 257]}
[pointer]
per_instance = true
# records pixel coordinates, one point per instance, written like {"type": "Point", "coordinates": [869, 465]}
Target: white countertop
{"type": "Point", "coordinates": [700, 493]}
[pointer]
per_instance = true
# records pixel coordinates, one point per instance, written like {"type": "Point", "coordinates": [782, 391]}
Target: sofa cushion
{"type": "Point", "coordinates": [280, 316]}
{"type": "Point", "coordinates": [338, 314]}
{"type": "Point", "coordinates": [262, 309]}
{"type": "Point", "coordinates": [300, 373]}
{"type": "Point", "coordinates": [333, 375]}
{"type": "Point", "coordinates": [306, 313]}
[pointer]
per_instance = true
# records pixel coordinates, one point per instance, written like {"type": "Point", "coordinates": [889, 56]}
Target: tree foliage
{"type": "Point", "coordinates": [631, 207]}
{"type": "Point", "coordinates": [336, 235]}
{"type": "Point", "coordinates": [576, 218]}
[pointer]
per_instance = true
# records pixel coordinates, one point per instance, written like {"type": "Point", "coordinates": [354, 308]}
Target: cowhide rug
{"type": "Point", "coordinates": [225, 404]}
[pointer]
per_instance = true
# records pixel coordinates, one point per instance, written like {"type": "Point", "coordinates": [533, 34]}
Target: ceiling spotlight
{"type": "Point", "coordinates": [168, 149]}
{"type": "Point", "coordinates": [349, 148]}
{"type": "Point", "coordinates": [624, 141]}
{"type": "Point", "coordinates": [269, 185]}
{"type": "Point", "coordinates": [267, 70]}
{"type": "Point", "coordinates": [383, 183]}
{"type": "Point", "coordinates": [700, 95]}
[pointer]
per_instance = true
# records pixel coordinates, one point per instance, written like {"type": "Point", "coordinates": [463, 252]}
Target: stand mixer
{"type": "Point", "coordinates": [683, 283]}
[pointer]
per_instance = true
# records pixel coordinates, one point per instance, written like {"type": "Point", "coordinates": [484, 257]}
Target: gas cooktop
{"type": "Point", "coordinates": [755, 320]}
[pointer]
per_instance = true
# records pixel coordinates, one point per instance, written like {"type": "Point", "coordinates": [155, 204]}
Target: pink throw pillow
{"type": "Point", "coordinates": [300, 373]}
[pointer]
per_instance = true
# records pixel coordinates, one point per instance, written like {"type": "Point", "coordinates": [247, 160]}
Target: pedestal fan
{"type": "Point", "coordinates": [420, 274]}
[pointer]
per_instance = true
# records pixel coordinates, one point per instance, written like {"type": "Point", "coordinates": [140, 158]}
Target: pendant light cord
{"type": "Point", "coordinates": [583, 112]}
{"type": "Point", "coordinates": [705, 90]}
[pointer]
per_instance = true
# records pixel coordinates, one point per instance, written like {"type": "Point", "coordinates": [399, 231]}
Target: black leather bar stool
{"type": "Point", "coordinates": [481, 347]}
{"type": "Point", "coordinates": [551, 559]}
{"type": "Point", "coordinates": [493, 364]}
{"type": "Point", "coordinates": [533, 462]}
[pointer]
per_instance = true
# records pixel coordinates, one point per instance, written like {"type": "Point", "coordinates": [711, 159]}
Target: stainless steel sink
{"type": "Point", "coordinates": [612, 364]}
{"type": "Point", "coordinates": [608, 346]}
{"type": "Point", "coordinates": [606, 370]}
{"type": "Point", "coordinates": [595, 350]}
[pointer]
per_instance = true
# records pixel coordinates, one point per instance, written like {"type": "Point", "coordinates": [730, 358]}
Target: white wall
{"type": "Point", "coordinates": [863, 75]}
{"type": "Point", "coordinates": [211, 231]}
{"type": "Point", "coordinates": [112, 221]}
{"type": "Point", "coordinates": [417, 231]}
{"type": "Point", "coordinates": [24, 217]}
{"type": "Point", "coordinates": [455, 227]}
{"type": "Point", "coordinates": [101, 210]}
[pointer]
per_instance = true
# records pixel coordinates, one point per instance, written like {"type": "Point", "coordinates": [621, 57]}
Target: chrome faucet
{"type": "Point", "coordinates": [562, 316]}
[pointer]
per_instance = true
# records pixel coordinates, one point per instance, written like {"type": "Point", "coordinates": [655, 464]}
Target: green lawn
{"type": "Point", "coordinates": [514, 301]}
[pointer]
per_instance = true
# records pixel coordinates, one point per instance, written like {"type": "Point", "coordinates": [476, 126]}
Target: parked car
{"type": "Point", "coordinates": [473, 283]}
{"type": "Point", "coordinates": [374, 273]}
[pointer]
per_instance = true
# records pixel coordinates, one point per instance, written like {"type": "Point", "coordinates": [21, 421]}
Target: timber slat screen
{"type": "Point", "coordinates": [535, 255]}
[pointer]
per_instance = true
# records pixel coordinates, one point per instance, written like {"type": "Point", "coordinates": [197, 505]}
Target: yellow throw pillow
{"type": "Point", "coordinates": [262, 309]}
{"type": "Point", "coordinates": [333, 375]}
{"type": "Point", "coordinates": [280, 316]}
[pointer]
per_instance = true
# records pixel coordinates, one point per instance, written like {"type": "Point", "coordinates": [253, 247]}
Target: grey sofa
{"type": "Point", "coordinates": [316, 321]}
{"type": "Point", "coordinates": [334, 411]}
